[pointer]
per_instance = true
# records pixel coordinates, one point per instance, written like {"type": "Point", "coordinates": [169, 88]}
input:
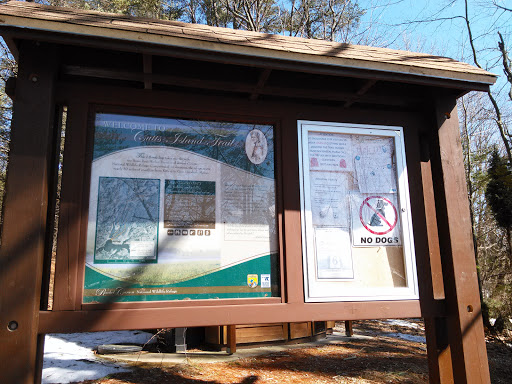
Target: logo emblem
{"type": "Point", "coordinates": [252, 281]}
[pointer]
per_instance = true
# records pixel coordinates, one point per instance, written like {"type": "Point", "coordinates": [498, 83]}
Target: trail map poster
{"type": "Point", "coordinates": [179, 210]}
{"type": "Point", "coordinates": [355, 221]}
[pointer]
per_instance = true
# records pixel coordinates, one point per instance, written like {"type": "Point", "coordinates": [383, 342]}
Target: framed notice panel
{"type": "Point", "coordinates": [180, 210]}
{"type": "Point", "coordinates": [356, 223]}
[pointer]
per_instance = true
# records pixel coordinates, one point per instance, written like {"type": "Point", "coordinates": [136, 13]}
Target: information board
{"type": "Point", "coordinates": [180, 209]}
{"type": "Point", "coordinates": [356, 227]}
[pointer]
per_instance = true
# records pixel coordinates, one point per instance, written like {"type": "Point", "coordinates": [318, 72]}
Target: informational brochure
{"type": "Point", "coordinates": [180, 209]}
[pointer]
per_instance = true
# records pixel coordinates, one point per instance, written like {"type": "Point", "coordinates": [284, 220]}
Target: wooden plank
{"type": "Point", "coordinates": [24, 236]}
{"type": "Point", "coordinates": [148, 70]}
{"type": "Point", "coordinates": [292, 238]}
{"type": "Point", "coordinates": [360, 92]}
{"type": "Point", "coordinates": [231, 86]}
{"type": "Point", "coordinates": [464, 320]}
{"type": "Point", "coordinates": [73, 170]}
{"type": "Point", "coordinates": [440, 366]}
{"type": "Point", "coordinates": [147, 318]}
{"type": "Point", "coordinates": [212, 335]}
{"type": "Point", "coordinates": [259, 334]}
{"type": "Point", "coordinates": [300, 330]}
{"type": "Point", "coordinates": [432, 232]}
{"type": "Point", "coordinates": [264, 75]}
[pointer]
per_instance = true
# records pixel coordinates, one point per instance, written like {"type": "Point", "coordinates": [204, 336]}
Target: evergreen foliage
{"type": "Point", "coordinates": [499, 190]}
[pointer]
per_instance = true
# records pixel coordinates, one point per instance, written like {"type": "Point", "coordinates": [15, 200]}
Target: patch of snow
{"type": "Point", "coordinates": [413, 338]}
{"type": "Point", "coordinates": [402, 323]}
{"type": "Point", "coordinates": [70, 357]}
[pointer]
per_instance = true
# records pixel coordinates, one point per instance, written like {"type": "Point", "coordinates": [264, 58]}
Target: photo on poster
{"type": "Point", "coordinates": [375, 220]}
{"type": "Point", "coordinates": [333, 252]}
{"type": "Point", "coordinates": [127, 220]}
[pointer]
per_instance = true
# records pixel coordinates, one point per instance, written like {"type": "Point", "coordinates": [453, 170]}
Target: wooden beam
{"type": "Point", "coordinates": [25, 235]}
{"type": "Point", "coordinates": [264, 75]}
{"type": "Point", "coordinates": [200, 316]}
{"type": "Point", "coordinates": [148, 70]}
{"type": "Point", "coordinates": [365, 88]}
{"type": "Point", "coordinates": [464, 325]}
{"type": "Point", "coordinates": [318, 94]}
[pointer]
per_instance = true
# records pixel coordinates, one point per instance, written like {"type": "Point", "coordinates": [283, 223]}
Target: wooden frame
{"type": "Point", "coordinates": [86, 149]}
{"type": "Point", "coordinates": [338, 290]}
{"type": "Point", "coordinates": [449, 303]}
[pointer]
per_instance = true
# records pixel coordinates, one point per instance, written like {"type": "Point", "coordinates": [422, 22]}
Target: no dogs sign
{"type": "Point", "coordinates": [375, 220]}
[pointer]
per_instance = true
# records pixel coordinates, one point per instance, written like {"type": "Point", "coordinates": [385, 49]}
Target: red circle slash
{"type": "Point", "coordinates": [367, 226]}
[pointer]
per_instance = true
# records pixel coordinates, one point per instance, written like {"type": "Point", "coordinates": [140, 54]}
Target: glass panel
{"type": "Point", "coordinates": [180, 210]}
{"type": "Point", "coordinates": [352, 209]}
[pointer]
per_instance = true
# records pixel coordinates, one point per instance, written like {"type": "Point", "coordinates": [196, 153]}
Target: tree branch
{"type": "Point", "coordinates": [506, 63]}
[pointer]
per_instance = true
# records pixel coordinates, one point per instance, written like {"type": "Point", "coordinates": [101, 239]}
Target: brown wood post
{"type": "Point", "coordinates": [438, 347]}
{"type": "Point", "coordinates": [231, 341]}
{"type": "Point", "coordinates": [463, 326]}
{"type": "Point", "coordinates": [349, 331]}
{"type": "Point", "coordinates": [24, 234]}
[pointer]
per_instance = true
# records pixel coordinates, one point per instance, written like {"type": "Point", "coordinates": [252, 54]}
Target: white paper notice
{"type": "Point", "coordinates": [329, 199]}
{"type": "Point", "coordinates": [333, 253]}
{"type": "Point", "coordinates": [375, 220]}
{"type": "Point", "coordinates": [142, 249]}
{"type": "Point", "coordinates": [329, 152]}
{"type": "Point", "coordinates": [375, 166]}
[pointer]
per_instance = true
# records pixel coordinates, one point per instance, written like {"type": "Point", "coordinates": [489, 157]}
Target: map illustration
{"type": "Point", "coordinates": [127, 220]}
{"type": "Point", "coordinates": [375, 164]}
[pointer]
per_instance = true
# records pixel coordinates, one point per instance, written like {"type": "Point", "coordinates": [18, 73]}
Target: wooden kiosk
{"type": "Point", "coordinates": [220, 177]}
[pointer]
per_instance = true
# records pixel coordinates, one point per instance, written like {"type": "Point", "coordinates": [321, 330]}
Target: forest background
{"type": "Point", "coordinates": [475, 31]}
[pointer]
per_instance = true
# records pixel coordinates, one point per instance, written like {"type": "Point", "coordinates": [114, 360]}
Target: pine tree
{"type": "Point", "coordinates": [499, 194]}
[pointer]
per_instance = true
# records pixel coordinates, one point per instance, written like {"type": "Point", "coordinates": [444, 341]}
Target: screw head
{"type": "Point", "coordinates": [12, 326]}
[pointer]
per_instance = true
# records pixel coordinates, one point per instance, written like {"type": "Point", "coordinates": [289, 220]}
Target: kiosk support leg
{"type": "Point", "coordinates": [349, 331]}
{"type": "Point", "coordinates": [231, 339]}
{"type": "Point", "coordinates": [463, 325]}
{"type": "Point", "coordinates": [25, 233]}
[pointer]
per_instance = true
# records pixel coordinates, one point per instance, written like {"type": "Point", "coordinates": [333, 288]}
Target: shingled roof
{"type": "Point", "coordinates": [30, 16]}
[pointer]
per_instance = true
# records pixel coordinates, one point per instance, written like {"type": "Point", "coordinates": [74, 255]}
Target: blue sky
{"type": "Point", "coordinates": [446, 36]}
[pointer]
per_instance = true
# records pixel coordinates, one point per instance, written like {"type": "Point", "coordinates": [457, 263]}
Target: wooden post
{"type": "Point", "coordinates": [463, 328]}
{"type": "Point", "coordinates": [24, 234]}
{"type": "Point", "coordinates": [349, 331]}
{"type": "Point", "coordinates": [231, 340]}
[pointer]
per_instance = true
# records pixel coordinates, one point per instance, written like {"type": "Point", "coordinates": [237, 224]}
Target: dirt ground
{"type": "Point", "coordinates": [381, 358]}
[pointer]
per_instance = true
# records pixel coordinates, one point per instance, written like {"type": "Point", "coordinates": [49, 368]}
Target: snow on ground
{"type": "Point", "coordinates": [70, 357]}
{"type": "Point", "coordinates": [405, 336]}
{"type": "Point", "coordinates": [402, 323]}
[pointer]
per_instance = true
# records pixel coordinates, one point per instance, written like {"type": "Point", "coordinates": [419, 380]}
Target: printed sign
{"type": "Point", "coordinates": [375, 220]}
{"type": "Point", "coordinates": [179, 209]}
